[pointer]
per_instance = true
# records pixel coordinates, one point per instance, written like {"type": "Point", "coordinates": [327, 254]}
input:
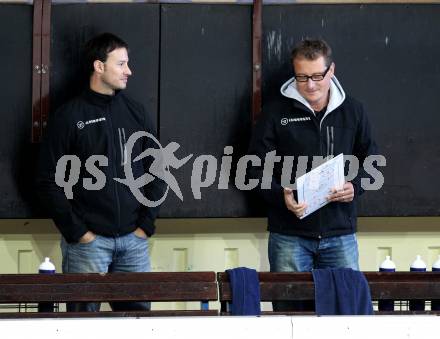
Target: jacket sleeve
{"type": "Point", "coordinates": [263, 141]}
{"type": "Point", "coordinates": [56, 143]}
{"type": "Point", "coordinates": [155, 190]}
{"type": "Point", "coordinates": [364, 146]}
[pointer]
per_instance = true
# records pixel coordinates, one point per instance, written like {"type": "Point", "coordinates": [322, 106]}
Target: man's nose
{"type": "Point", "coordinates": [127, 70]}
{"type": "Point", "coordinates": [310, 83]}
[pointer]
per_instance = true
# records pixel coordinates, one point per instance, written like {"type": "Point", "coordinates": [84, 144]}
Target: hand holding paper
{"type": "Point", "coordinates": [319, 184]}
{"type": "Point", "coordinates": [291, 203]}
{"type": "Point", "coordinates": [346, 194]}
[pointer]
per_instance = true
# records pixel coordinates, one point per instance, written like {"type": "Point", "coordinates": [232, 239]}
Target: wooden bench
{"type": "Point", "coordinates": [153, 287]}
{"type": "Point", "coordinates": [399, 286]}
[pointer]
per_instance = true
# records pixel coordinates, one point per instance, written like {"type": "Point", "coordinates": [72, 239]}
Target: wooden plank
{"type": "Point", "coordinates": [405, 290]}
{"type": "Point", "coordinates": [402, 276]}
{"type": "Point", "coordinates": [383, 285]}
{"type": "Point", "coordinates": [107, 314]}
{"type": "Point", "coordinates": [152, 286]}
{"type": "Point", "coordinates": [273, 291]}
{"type": "Point", "coordinates": [404, 285]}
{"type": "Point", "coordinates": [108, 277]}
{"type": "Point", "coordinates": [156, 291]}
{"type": "Point", "coordinates": [274, 276]}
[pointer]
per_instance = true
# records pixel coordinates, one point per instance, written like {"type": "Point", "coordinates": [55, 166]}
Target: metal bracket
{"type": "Point", "coordinates": [41, 69]}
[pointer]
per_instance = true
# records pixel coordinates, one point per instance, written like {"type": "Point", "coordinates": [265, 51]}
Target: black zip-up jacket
{"type": "Point", "coordinates": [292, 129]}
{"type": "Point", "coordinates": [97, 124]}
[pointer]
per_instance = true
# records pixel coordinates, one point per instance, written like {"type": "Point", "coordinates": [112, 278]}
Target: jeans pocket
{"type": "Point", "coordinates": [85, 244]}
{"type": "Point", "coordinates": [138, 237]}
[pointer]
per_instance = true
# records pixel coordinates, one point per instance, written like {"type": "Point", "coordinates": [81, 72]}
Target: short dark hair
{"type": "Point", "coordinates": [312, 49]}
{"type": "Point", "coordinates": [99, 47]}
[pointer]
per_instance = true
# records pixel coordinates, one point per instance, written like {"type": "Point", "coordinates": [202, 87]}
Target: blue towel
{"type": "Point", "coordinates": [341, 291]}
{"type": "Point", "coordinates": [245, 289]}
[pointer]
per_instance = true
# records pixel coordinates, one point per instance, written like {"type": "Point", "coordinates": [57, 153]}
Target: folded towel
{"type": "Point", "coordinates": [341, 291]}
{"type": "Point", "coordinates": [245, 288]}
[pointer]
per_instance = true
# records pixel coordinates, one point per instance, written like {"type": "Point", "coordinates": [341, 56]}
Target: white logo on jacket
{"type": "Point", "coordinates": [285, 121]}
{"type": "Point", "coordinates": [80, 124]}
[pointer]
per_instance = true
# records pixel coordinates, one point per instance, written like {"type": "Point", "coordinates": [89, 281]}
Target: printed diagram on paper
{"type": "Point", "coordinates": [314, 186]}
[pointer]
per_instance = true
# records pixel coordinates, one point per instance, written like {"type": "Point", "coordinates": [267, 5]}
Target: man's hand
{"type": "Point", "coordinates": [292, 205]}
{"type": "Point", "coordinates": [87, 237]}
{"type": "Point", "coordinates": [346, 194]}
{"type": "Point", "coordinates": [139, 232]}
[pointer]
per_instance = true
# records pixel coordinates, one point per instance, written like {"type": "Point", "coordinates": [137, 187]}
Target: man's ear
{"type": "Point", "coordinates": [333, 67]}
{"type": "Point", "coordinates": [98, 66]}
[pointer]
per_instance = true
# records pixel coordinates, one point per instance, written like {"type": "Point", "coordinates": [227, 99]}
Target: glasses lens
{"type": "Point", "coordinates": [301, 78]}
{"type": "Point", "coordinates": [317, 77]}
{"type": "Point", "coordinates": [314, 77]}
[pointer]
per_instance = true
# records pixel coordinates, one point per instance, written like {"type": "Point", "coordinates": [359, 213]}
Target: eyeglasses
{"type": "Point", "coordinates": [314, 77]}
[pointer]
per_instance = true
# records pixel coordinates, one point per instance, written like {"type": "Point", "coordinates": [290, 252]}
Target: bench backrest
{"type": "Point", "coordinates": [152, 286]}
{"type": "Point", "coordinates": [300, 286]}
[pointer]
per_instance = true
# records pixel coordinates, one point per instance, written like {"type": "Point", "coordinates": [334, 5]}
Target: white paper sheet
{"type": "Point", "coordinates": [314, 187]}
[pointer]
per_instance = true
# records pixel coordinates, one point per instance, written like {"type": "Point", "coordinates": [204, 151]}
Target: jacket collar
{"type": "Point", "coordinates": [99, 99]}
{"type": "Point", "coordinates": [337, 94]}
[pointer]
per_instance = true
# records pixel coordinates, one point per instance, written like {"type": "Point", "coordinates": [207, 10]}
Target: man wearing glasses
{"type": "Point", "coordinates": [313, 117]}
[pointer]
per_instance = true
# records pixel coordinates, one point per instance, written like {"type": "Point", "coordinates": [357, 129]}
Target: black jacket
{"type": "Point", "coordinates": [96, 124]}
{"type": "Point", "coordinates": [291, 128]}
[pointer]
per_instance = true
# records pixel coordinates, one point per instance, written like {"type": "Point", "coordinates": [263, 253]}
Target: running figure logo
{"type": "Point", "coordinates": [164, 159]}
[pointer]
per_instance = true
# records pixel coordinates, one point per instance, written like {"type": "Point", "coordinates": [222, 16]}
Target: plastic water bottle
{"type": "Point", "coordinates": [435, 304]}
{"type": "Point", "coordinates": [436, 265]}
{"type": "Point", "coordinates": [418, 265]}
{"type": "Point", "coordinates": [387, 266]}
{"type": "Point", "coordinates": [46, 267]}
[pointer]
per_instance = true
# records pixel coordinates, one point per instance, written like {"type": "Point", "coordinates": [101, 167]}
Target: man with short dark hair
{"type": "Point", "coordinates": [313, 118]}
{"type": "Point", "coordinates": [104, 227]}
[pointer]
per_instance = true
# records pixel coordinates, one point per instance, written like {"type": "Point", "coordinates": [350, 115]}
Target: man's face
{"type": "Point", "coordinates": [115, 71]}
{"type": "Point", "coordinates": [315, 92]}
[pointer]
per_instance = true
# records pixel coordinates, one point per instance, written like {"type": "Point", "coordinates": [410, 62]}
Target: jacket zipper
{"type": "Point", "coordinates": [113, 150]}
{"type": "Point", "coordinates": [321, 146]}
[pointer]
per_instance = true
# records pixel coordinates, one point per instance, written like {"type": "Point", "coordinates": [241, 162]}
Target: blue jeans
{"type": "Point", "coordinates": [128, 253]}
{"type": "Point", "coordinates": [300, 254]}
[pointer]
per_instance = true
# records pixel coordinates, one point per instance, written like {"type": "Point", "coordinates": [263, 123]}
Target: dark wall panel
{"type": "Point", "coordinates": [387, 57]}
{"type": "Point", "coordinates": [16, 155]}
{"type": "Point", "coordinates": [74, 24]}
{"type": "Point", "coordinates": [205, 96]}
